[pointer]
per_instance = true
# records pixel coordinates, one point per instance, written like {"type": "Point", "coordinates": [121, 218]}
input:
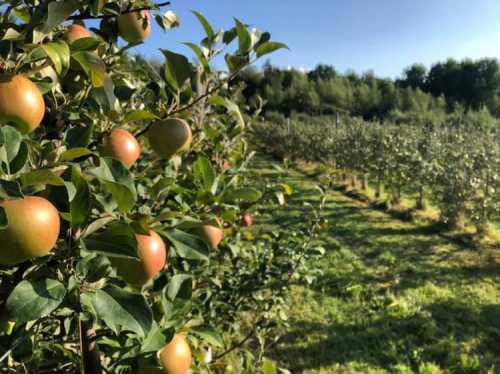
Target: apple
{"type": "Point", "coordinates": [226, 166]}
{"type": "Point", "coordinates": [123, 146]}
{"type": "Point", "coordinates": [75, 32]}
{"type": "Point", "coordinates": [210, 234]}
{"type": "Point", "coordinates": [247, 220]}
{"type": "Point", "coordinates": [169, 137]}
{"type": "Point", "coordinates": [152, 254]}
{"type": "Point", "coordinates": [176, 356]}
{"type": "Point", "coordinates": [21, 103]}
{"type": "Point", "coordinates": [135, 27]}
{"type": "Point", "coordinates": [33, 229]}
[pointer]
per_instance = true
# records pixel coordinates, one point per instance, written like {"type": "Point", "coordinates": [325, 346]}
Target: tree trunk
{"type": "Point", "coordinates": [354, 181]}
{"type": "Point", "coordinates": [364, 182]}
{"type": "Point", "coordinates": [396, 197]}
{"type": "Point", "coordinates": [91, 363]}
{"type": "Point", "coordinates": [421, 205]}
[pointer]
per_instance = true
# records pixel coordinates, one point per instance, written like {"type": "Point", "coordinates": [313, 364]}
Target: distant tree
{"type": "Point", "coordinates": [414, 76]}
{"type": "Point", "coordinates": [323, 72]}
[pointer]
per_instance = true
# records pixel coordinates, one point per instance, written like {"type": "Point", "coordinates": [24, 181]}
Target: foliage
{"type": "Point", "coordinates": [71, 309]}
{"type": "Point", "coordinates": [324, 92]}
{"type": "Point", "coordinates": [454, 164]}
{"type": "Point", "coordinates": [446, 87]}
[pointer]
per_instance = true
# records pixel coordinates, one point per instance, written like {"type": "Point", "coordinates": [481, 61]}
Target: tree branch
{"type": "Point", "coordinates": [90, 351]}
{"type": "Point", "coordinates": [86, 16]}
{"type": "Point", "coordinates": [241, 342]}
{"type": "Point", "coordinates": [195, 101]}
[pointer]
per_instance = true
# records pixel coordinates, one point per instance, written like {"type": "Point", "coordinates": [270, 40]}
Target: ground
{"type": "Point", "coordinates": [394, 296]}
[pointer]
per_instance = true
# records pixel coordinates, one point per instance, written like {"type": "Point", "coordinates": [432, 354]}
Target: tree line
{"type": "Point", "coordinates": [446, 87]}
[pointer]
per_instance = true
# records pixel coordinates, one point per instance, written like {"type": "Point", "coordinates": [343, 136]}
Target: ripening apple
{"type": "Point", "coordinates": [75, 32]}
{"type": "Point", "coordinates": [21, 103]}
{"type": "Point", "coordinates": [169, 137]}
{"type": "Point", "coordinates": [226, 165]}
{"type": "Point", "coordinates": [247, 220]}
{"type": "Point", "coordinates": [210, 234]}
{"type": "Point", "coordinates": [122, 146]}
{"type": "Point", "coordinates": [32, 231]}
{"type": "Point", "coordinates": [152, 254]}
{"type": "Point", "coordinates": [176, 357]}
{"type": "Point", "coordinates": [135, 27]}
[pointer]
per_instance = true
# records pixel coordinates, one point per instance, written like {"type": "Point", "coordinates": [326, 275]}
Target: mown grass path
{"type": "Point", "coordinates": [394, 297]}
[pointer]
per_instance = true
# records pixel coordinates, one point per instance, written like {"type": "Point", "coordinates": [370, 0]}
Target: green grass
{"type": "Point", "coordinates": [393, 297]}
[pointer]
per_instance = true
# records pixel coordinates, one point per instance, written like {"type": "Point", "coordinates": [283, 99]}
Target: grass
{"type": "Point", "coordinates": [394, 296]}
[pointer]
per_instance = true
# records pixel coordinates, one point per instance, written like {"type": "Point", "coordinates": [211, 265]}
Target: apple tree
{"type": "Point", "coordinates": [123, 188]}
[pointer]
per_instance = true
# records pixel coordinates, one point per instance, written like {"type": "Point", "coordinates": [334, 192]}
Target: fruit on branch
{"type": "Point", "coordinates": [122, 146]}
{"type": "Point", "coordinates": [226, 165]}
{"type": "Point", "coordinates": [152, 254]}
{"type": "Point", "coordinates": [21, 103]}
{"type": "Point", "coordinates": [210, 234]}
{"type": "Point", "coordinates": [169, 137]}
{"type": "Point", "coordinates": [32, 231]}
{"type": "Point", "coordinates": [247, 220]}
{"type": "Point", "coordinates": [135, 27]}
{"type": "Point", "coordinates": [75, 32]}
{"type": "Point", "coordinates": [176, 357]}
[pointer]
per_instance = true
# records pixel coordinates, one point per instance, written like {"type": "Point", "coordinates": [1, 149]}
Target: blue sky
{"type": "Point", "coordinates": [380, 35]}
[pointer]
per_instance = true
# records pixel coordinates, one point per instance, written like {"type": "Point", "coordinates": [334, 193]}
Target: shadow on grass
{"type": "Point", "coordinates": [440, 333]}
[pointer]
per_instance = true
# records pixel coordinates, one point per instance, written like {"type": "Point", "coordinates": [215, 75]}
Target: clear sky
{"type": "Point", "coordinates": [380, 35]}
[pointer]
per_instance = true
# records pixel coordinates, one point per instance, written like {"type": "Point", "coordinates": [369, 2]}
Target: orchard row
{"type": "Point", "coordinates": [454, 166]}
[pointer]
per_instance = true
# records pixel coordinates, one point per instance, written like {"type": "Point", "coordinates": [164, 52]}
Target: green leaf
{"type": "Point", "coordinates": [123, 310]}
{"type": "Point", "coordinates": [244, 37]}
{"type": "Point", "coordinates": [156, 339]}
{"type": "Point", "coordinates": [116, 240]}
{"type": "Point", "coordinates": [236, 62]}
{"type": "Point", "coordinates": [10, 143]}
{"type": "Point", "coordinates": [93, 268]}
{"type": "Point", "coordinates": [204, 172]}
{"type": "Point", "coordinates": [287, 188]}
{"type": "Point", "coordinates": [139, 115]}
{"type": "Point", "coordinates": [177, 69]}
{"type": "Point", "coordinates": [20, 160]}
{"type": "Point", "coordinates": [59, 54]}
{"type": "Point", "coordinates": [57, 13]}
{"type": "Point", "coordinates": [92, 65]}
{"type": "Point", "coordinates": [210, 335]}
{"type": "Point", "coordinates": [269, 47]}
{"type": "Point", "coordinates": [199, 53]}
{"type": "Point", "coordinates": [230, 35]}
{"type": "Point", "coordinates": [85, 44]}
{"type": "Point", "coordinates": [232, 108]}
{"type": "Point", "coordinates": [206, 26]}
{"type": "Point", "coordinates": [10, 189]}
{"type": "Point", "coordinates": [186, 245]}
{"type": "Point", "coordinates": [118, 181]}
{"type": "Point", "coordinates": [41, 177]}
{"type": "Point", "coordinates": [106, 97]}
{"type": "Point", "coordinates": [269, 367]}
{"type": "Point", "coordinates": [80, 203]}
{"type": "Point", "coordinates": [78, 137]}
{"type": "Point", "coordinates": [180, 285]}
{"type": "Point", "coordinates": [246, 194]}
{"type": "Point", "coordinates": [31, 300]}
{"type": "Point", "coordinates": [74, 153]}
